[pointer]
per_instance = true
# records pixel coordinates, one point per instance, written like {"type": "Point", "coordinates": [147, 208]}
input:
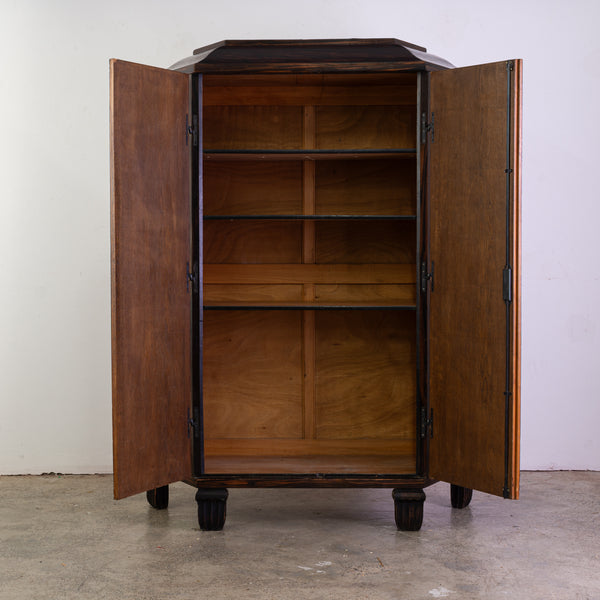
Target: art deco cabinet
{"type": "Point", "coordinates": [315, 272]}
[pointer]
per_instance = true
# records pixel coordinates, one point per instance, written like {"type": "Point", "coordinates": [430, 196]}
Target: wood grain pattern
{"type": "Point", "coordinates": [364, 242]}
{"type": "Point", "coordinates": [351, 464]}
{"type": "Point", "coordinates": [310, 480]}
{"type": "Point", "coordinates": [310, 56]}
{"type": "Point", "coordinates": [366, 187]}
{"type": "Point", "coordinates": [150, 216]}
{"type": "Point", "coordinates": [383, 456]}
{"type": "Point", "coordinates": [294, 273]}
{"type": "Point", "coordinates": [306, 90]}
{"type": "Point", "coordinates": [252, 187]}
{"type": "Point", "coordinates": [252, 242]}
{"type": "Point", "coordinates": [263, 294]}
{"type": "Point", "coordinates": [354, 127]}
{"type": "Point", "coordinates": [365, 375]}
{"type": "Point", "coordinates": [252, 374]}
{"type": "Point", "coordinates": [252, 127]}
{"type": "Point", "coordinates": [468, 245]}
{"type": "Point", "coordinates": [404, 295]}
{"type": "Point", "coordinates": [366, 80]}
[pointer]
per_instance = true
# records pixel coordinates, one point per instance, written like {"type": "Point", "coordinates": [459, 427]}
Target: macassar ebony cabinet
{"type": "Point", "coordinates": [315, 272]}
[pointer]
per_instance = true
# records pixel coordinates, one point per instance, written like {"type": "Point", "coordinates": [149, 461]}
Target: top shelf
{"type": "Point", "coordinates": [215, 154]}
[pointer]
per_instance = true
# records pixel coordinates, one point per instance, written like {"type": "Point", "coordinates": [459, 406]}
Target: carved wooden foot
{"type": "Point", "coordinates": [212, 505]}
{"type": "Point", "coordinates": [158, 497]}
{"type": "Point", "coordinates": [460, 496]}
{"type": "Point", "coordinates": [408, 509]}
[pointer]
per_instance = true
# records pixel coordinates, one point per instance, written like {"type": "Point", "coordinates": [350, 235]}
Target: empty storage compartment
{"type": "Point", "coordinates": [291, 391]}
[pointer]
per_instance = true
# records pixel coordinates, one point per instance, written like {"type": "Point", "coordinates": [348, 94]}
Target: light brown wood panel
{"type": "Point", "coordinates": [252, 377]}
{"type": "Point", "coordinates": [252, 127]}
{"type": "Point", "coordinates": [381, 446]}
{"type": "Point", "coordinates": [150, 244]}
{"type": "Point", "coordinates": [293, 273]}
{"type": "Point", "coordinates": [468, 352]}
{"type": "Point", "coordinates": [403, 295]}
{"type": "Point", "coordinates": [252, 242]}
{"type": "Point", "coordinates": [366, 187]}
{"type": "Point", "coordinates": [385, 456]}
{"type": "Point", "coordinates": [365, 127]}
{"type": "Point", "coordinates": [365, 375]}
{"type": "Point", "coordinates": [359, 242]}
{"type": "Point", "coordinates": [252, 187]}
{"type": "Point", "coordinates": [308, 360]}
{"type": "Point", "coordinates": [225, 294]}
{"type": "Point", "coordinates": [365, 465]}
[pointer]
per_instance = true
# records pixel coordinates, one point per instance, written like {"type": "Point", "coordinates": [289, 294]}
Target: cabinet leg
{"type": "Point", "coordinates": [158, 497]}
{"type": "Point", "coordinates": [408, 509]}
{"type": "Point", "coordinates": [460, 496]}
{"type": "Point", "coordinates": [212, 508]}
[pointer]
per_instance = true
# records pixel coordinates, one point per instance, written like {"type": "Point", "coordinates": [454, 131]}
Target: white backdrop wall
{"type": "Point", "coordinates": [55, 412]}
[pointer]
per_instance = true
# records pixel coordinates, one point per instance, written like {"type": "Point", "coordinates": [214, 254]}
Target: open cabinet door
{"type": "Point", "coordinates": [150, 221]}
{"type": "Point", "coordinates": [474, 259]}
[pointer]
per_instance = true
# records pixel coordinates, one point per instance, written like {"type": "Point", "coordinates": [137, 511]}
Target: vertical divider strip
{"type": "Point", "coordinates": [308, 257]}
{"type": "Point", "coordinates": [197, 298]}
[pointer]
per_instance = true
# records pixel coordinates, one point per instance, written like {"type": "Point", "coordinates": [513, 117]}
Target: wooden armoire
{"type": "Point", "coordinates": [315, 272]}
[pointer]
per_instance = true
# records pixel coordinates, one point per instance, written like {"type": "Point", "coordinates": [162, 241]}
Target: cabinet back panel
{"type": "Point", "coordinates": [309, 90]}
{"type": "Point", "coordinates": [360, 242]}
{"type": "Point", "coordinates": [251, 242]}
{"type": "Point", "coordinates": [366, 187]}
{"type": "Point", "coordinates": [365, 127]}
{"type": "Point", "coordinates": [365, 384]}
{"type": "Point", "coordinates": [252, 374]}
{"type": "Point", "coordinates": [297, 90]}
{"type": "Point", "coordinates": [252, 187]}
{"type": "Point", "coordinates": [252, 127]}
{"type": "Point", "coordinates": [255, 392]}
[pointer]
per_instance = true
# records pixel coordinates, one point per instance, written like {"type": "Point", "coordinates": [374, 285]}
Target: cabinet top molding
{"type": "Point", "coordinates": [310, 56]}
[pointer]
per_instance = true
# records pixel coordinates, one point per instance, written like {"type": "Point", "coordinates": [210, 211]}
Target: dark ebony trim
{"type": "Point", "coordinates": [310, 217]}
{"type": "Point", "coordinates": [311, 307]}
{"type": "Point", "coordinates": [508, 268]}
{"type": "Point", "coordinates": [316, 152]}
{"type": "Point", "coordinates": [197, 299]}
{"type": "Point", "coordinates": [335, 480]}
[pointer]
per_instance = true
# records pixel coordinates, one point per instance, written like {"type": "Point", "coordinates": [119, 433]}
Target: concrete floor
{"type": "Point", "coordinates": [64, 537]}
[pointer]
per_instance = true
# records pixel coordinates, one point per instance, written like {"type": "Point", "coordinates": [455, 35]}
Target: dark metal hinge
{"type": "Point", "coordinates": [426, 423]}
{"type": "Point", "coordinates": [193, 424]}
{"type": "Point", "coordinates": [193, 277]}
{"type": "Point", "coordinates": [426, 276]}
{"type": "Point", "coordinates": [507, 284]}
{"type": "Point", "coordinates": [191, 130]}
{"type": "Point", "coordinates": [427, 127]}
{"type": "Point", "coordinates": [510, 65]}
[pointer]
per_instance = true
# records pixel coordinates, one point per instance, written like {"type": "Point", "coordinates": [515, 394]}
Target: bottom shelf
{"type": "Point", "coordinates": [366, 456]}
{"type": "Point", "coordinates": [380, 465]}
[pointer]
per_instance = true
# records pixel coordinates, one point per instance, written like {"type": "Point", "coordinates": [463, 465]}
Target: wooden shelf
{"type": "Point", "coordinates": [330, 154]}
{"type": "Point", "coordinates": [366, 274]}
{"type": "Point", "coordinates": [238, 305]}
{"type": "Point", "coordinates": [310, 217]}
{"type": "Point", "coordinates": [385, 456]}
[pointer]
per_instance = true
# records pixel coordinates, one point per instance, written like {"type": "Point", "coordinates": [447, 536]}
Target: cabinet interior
{"type": "Point", "coordinates": [309, 273]}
